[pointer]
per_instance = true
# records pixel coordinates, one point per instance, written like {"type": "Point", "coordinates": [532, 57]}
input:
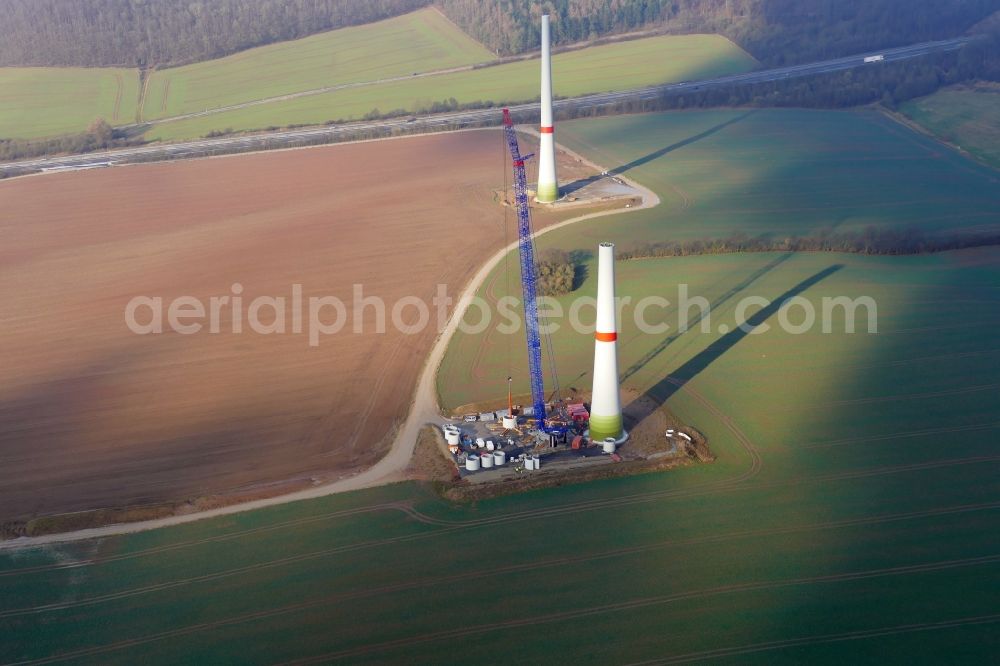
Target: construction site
{"type": "Point", "coordinates": [554, 431]}
{"type": "Point", "coordinates": [163, 436]}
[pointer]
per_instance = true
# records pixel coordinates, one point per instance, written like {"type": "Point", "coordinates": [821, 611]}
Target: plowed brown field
{"type": "Point", "coordinates": [93, 415]}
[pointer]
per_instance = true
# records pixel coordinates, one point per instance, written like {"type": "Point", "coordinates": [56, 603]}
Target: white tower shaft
{"type": "Point", "coordinates": [548, 186]}
{"type": "Point", "coordinates": [605, 402]}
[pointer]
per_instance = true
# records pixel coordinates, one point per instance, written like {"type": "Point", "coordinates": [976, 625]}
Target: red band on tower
{"type": "Point", "coordinates": [546, 130]}
{"type": "Point", "coordinates": [606, 337]}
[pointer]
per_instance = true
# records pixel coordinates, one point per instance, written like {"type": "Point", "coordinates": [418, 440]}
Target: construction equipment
{"type": "Point", "coordinates": [510, 397]}
{"type": "Point", "coordinates": [529, 289]}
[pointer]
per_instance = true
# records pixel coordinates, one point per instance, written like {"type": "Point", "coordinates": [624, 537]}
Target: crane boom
{"type": "Point", "coordinates": [528, 279]}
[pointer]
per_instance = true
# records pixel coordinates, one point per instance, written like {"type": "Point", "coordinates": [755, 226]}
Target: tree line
{"type": "Point", "coordinates": [170, 32]}
{"type": "Point", "coordinates": [99, 136]}
{"type": "Point", "coordinates": [777, 32]}
{"type": "Point", "coordinates": [869, 241]}
{"type": "Point", "coordinates": [143, 33]}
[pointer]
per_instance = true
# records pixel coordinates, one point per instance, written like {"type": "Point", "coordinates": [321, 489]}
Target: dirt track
{"type": "Point", "coordinates": [92, 415]}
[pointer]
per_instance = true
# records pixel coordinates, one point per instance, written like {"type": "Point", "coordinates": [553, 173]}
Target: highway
{"type": "Point", "coordinates": [478, 117]}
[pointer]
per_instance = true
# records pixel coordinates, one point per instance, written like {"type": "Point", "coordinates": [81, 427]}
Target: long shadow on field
{"type": "Point", "coordinates": [133, 131]}
{"type": "Point", "coordinates": [580, 259]}
{"type": "Point", "coordinates": [569, 188]}
{"type": "Point", "coordinates": [656, 154]}
{"type": "Point", "coordinates": [666, 387]}
{"type": "Point", "coordinates": [667, 341]}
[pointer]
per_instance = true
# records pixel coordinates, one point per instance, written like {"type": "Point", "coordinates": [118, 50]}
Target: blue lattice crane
{"type": "Point", "coordinates": [528, 278]}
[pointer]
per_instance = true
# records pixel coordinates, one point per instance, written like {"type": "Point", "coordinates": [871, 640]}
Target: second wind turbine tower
{"type": "Point", "coordinates": [547, 190]}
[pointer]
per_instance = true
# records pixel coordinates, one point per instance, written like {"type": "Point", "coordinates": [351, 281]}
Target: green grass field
{"type": "Point", "coordinates": [852, 512]}
{"type": "Point", "coordinates": [618, 66]}
{"type": "Point", "coordinates": [787, 172]}
{"type": "Point", "coordinates": [422, 41]}
{"type": "Point", "coordinates": [38, 102]}
{"type": "Point", "coordinates": [778, 172]}
{"type": "Point", "coordinates": [966, 117]}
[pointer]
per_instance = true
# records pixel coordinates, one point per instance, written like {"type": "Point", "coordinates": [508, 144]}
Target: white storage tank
{"type": "Point", "coordinates": [529, 462]}
{"type": "Point", "coordinates": [480, 442]}
{"type": "Point", "coordinates": [499, 458]}
{"type": "Point", "coordinates": [487, 460]}
{"type": "Point", "coordinates": [610, 445]}
{"type": "Point", "coordinates": [472, 464]}
{"type": "Point", "coordinates": [538, 462]}
{"type": "Point", "coordinates": [489, 445]}
{"type": "Point", "coordinates": [452, 437]}
{"type": "Point", "coordinates": [509, 422]}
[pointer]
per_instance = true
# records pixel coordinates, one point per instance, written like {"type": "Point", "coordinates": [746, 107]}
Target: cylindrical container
{"type": "Point", "coordinates": [610, 445]}
{"type": "Point", "coordinates": [489, 445]}
{"type": "Point", "coordinates": [499, 458]}
{"type": "Point", "coordinates": [487, 459]}
{"type": "Point", "coordinates": [472, 464]}
{"type": "Point", "coordinates": [510, 422]}
{"type": "Point", "coordinates": [452, 436]}
{"type": "Point", "coordinates": [480, 443]}
{"type": "Point", "coordinates": [529, 462]}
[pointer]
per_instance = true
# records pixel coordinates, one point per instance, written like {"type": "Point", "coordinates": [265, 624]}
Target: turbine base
{"type": "Point", "coordinates": [602, 427]}
{"type": "Point", "coordinates": [547, 193]}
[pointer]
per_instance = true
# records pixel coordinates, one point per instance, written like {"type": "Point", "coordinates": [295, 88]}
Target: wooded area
{"type": "Point", "coordinates": [138, 32]}
{"type": "Point", "coordinates": [558, 273]}
{"type": "Point", "coordinates": [774, 31]}
{"type": "Point", "coordinates": [134, 33]}
{"type": "Point", "coordinates": [868, 241]}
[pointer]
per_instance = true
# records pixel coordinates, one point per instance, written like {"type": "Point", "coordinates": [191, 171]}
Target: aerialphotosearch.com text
{"type": "Point", "coordinates": [316, 317]}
